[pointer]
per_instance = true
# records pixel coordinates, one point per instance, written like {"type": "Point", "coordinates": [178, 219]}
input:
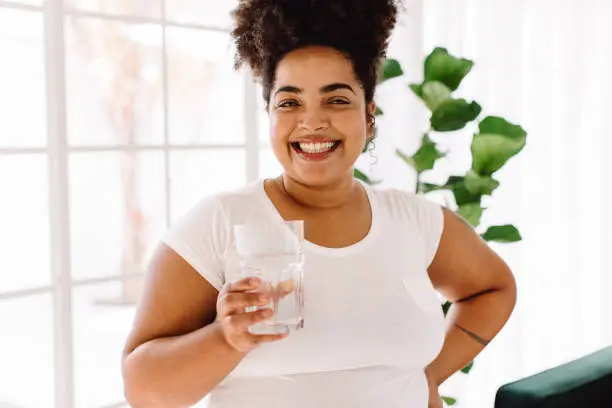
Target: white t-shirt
{"type": "Point", "coordinates": [372, 319]}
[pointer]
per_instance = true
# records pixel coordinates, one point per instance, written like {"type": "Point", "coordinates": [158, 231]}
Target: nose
{"type": "Point", "coordinates": [314, 120]}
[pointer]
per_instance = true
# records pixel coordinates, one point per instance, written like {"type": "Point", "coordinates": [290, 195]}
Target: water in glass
{"type": "Point", "coordinates": [273, 252]}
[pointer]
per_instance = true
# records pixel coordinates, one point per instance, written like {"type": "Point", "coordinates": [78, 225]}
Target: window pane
{"type": "Point", "coordinates": [26, 352]}
{"type": "Point", "coordinates": [209, 13]}
{"type": "Point", "coordinates": [205, 94]}
{"type": "Point", "coordinates": [114, 82]}
{"type": "Point", "coordinates": [140, 8]}
{"type": "Point", "coordinates": [269, 167]}
{"type": "Point", "coordinates": [24, 222]}
{"type": "Point", "coordinates": [195, 174]}
{"type": "Point", "coordinates": [101, 319]}
{"type": "Point", "coordinates": [263, 120]}
{"type": "Point", "coordinates": [30, 2]}
{"type": "Point", "coordinates": [117, 211]}
{"type": "Point", "coordinates": [22, 79]}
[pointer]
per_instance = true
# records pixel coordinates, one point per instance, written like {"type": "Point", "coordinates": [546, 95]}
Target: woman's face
{"type": "Point", "coordinates": [318, 121]}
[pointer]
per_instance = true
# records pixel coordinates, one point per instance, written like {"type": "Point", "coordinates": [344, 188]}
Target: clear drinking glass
{"type": "Point", "coordinates": [273, 253]}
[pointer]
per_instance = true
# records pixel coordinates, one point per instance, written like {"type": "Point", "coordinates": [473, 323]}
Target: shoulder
{"type": "Point", "coordinates": [211, 217]}
{"type": "Point", "coordinates": [224, 204]}
{"type": "Point", "coordinates": [414, 213]}
{"type": "Point", "coordinates": [405, 205]}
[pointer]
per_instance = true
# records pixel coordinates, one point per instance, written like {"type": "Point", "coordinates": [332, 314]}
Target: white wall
{"type": "Point", "coordinates": [545, 65]}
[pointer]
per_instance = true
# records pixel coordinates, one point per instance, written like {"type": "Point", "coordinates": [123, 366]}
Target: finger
{"type": "Point", "coordinates": [242, 321]}
{"type": "Point", "coordinates": [242, 285]}
{"type": "Point", "coordinates": [266, 287]}
{"type": "Point", "coordinates": [266, 338]}
{"type": "Point", "coordinates": [286, 287]}
{"type": "Point", "coordinates": [237, 302]}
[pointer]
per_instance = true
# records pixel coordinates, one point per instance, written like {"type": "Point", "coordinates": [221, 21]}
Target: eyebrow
{"type": "Point", "coordinates": [324, 89]}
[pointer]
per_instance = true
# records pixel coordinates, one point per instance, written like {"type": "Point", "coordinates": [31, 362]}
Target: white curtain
{"type": "Point", "coordinates": [546, 65]}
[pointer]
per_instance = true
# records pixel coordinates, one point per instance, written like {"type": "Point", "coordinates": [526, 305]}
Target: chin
{"type": "Point", "coordinates": [319, 177]}
{"type": "Point", "coordinates": [319, 170]}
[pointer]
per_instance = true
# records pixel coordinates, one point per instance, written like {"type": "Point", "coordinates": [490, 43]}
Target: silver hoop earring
{"type": "Point", "coordinates": [373, 157]}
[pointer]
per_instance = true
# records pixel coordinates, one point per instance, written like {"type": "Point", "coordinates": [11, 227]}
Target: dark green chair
{"type": "Point", "coordinates": [582, 383]}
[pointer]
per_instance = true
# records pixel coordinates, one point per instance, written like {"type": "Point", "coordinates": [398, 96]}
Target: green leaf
{"type": "Point", "coordinates": [452, 180]}
{"type": "Point", "coordinates": [434, 94]}
{"type": "Point", "coordinates": [391, 69]}
{"type": "Point", "coordinates": [428, 187]}
{"type": "Point", "coordinates": [467, 368]}
{"type": "Point", "coordinates": [471, 212]}
{"type": "Point", "coordinates": [497, 125]}
{"type": "Point", "coordinates": [444, 67]}
{"type": "Point", "coordinates": [446, 307]}
{"type": "Point", "coordinates": [407, 159]}
{"type": "Point", "coordinates": [424, 158]}
{"type": "Point", "coordinates": [454, 114]}
{"type": "Point", "coordinates": [457, 185]}
{"type": "Point", "coordinates": [359, 175]}
{"type": "Point", "coordinates": [497, 142]}
{"type": "Point", "coordinates": [480, 185]}
{"type": "Point", "coordinates": [449, 401]}
{"type": "Point", "coordinates": [378, 111]}
{"type": "Point", "coordinates": [417, 89]}
{"type": "Point", "coordinates": [490, 152]}
{"type": "Point", "coordinates": [462, 194]}
{"type": "Point", "coordinates": [502, 233]}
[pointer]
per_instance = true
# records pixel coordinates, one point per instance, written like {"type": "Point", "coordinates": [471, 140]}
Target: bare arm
{"type": "Point", "coordinates": [175, 354]}
{"type": "Point", "coordinates": [483, 291]}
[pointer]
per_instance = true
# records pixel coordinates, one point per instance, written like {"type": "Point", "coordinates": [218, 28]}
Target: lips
{"type": "Point", "coordinates": [315, 150]}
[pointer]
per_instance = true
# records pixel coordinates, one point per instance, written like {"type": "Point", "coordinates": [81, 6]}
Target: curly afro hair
{"type": "Point", "coordinates": [266, 30]}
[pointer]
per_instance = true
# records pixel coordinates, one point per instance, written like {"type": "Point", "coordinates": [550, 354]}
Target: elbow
{"type": "Point", "coordinates": [134, 390]}
{"type": "Point", "coordinates": [510, 292]}
{"type": "Point", "coordinates": [137, 388]}
{"type": "Point", "coordinates": [137, 398]}
{"type": "Point", "coordinates": [141, 389]}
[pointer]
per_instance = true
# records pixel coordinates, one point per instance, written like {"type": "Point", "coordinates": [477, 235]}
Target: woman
{"type": "Point", "coordinates": [374, 331]}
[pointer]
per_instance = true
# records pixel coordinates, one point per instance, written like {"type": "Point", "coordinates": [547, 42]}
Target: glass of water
{"type": "Point", "coordinates": [272, 251]}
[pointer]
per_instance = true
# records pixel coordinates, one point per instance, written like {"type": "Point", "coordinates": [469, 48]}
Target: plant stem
{"type": "Point", "coordinates": [417, 188]}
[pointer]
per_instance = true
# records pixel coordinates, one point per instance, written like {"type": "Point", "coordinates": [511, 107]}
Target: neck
{"type": "Point", "coordinates": [329, 196]}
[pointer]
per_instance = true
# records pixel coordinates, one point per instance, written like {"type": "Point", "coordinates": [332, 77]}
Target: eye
{"type": "Point", "coordinates": [290, 103]}
{"type": "Point", "coordinates": [338, 101]}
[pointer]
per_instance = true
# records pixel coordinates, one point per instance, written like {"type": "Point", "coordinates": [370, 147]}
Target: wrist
{"type": "Point", "coordinates": [225, 346]}
{"type": "Point", "coordinates": [431, 375]}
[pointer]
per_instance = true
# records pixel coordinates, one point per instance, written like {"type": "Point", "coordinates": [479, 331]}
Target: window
{"type": "Point", "coordinates": [115, 117]}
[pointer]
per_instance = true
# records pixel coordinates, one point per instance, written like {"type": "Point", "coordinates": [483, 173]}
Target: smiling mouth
{"type": "Point", "coordinates": [315, 148]}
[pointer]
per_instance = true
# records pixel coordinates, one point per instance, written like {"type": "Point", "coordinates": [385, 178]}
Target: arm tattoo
{"type": "Point", "coordinates": [474, 336]}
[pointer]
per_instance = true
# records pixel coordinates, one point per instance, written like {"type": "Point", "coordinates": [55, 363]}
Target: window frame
{"type": "Point", "coordinates": [58, 151]}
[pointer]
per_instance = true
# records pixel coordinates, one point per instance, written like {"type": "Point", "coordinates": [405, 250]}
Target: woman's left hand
{"type": "Point", "coordinates": [435, 401]}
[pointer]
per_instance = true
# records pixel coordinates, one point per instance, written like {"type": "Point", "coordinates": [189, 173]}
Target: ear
{"type": "Point", "coordinates": [371, 110]}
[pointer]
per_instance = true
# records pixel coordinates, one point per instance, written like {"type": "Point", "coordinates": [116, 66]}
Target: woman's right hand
{"type": "Point", "coordinates": [232, 302]}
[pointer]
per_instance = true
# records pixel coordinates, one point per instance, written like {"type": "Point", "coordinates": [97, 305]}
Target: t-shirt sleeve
{"type": "Point", "coordinates": [200, 237]}
{"type": "Point", "coordinates": [430, 218]}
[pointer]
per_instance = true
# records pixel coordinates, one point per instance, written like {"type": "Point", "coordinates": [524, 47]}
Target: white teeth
{"type": "Point", "coordinates": [310, 147]}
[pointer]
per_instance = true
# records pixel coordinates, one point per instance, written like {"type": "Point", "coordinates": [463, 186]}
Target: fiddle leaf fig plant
{"type": "Point", "coordinates": [494, 142]}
